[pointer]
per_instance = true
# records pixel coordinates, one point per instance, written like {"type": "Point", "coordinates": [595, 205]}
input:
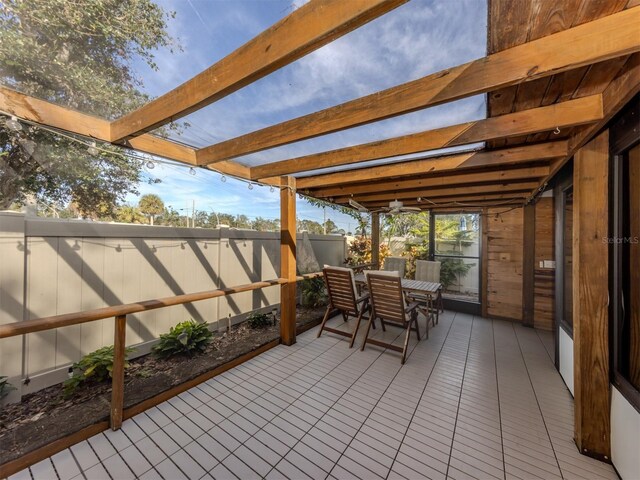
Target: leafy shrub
{"type": "Point", "coordinates": [5, 387]}
{"type": "Point", "coordinates": [259, 320]}
{"type": "Point", "coordinates": [97, 365]}
{"type": "Point", "coordinates": [313, 292]}
{"type": "Point", "coordinates": [451, 269]}
{"type": "Point", "coordinates": [360, 251]}
{"type": "Point", "coordinates": [186, 338]}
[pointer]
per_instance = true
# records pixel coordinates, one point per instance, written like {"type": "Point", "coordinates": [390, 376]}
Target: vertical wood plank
{"type": "Point", "coordinates": [288, 260]}
{"type": "Point", "coordinates": [117, 388]}
{"type": "Point", "coordinates": [591, 298]}
{"type": "Point", "coordinates": [375, 239]}
{"type": "Point", "coordinates": [528, 264]}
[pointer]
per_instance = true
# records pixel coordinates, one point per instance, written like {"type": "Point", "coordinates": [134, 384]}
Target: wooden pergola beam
{"type": "Point", "coordinates": [444, 181]}
{"type": "Point", "coordinates": [566, 114]}
{"type": "Point", "coordinates": [460, 198]}
{"type": "Point", "coordinates": [62, 118]}
{"type": "Point", "coordinates": [306, 29]}
{"type": "Point", "coordinates": [456, 162]}
{"type": "Point", "coordinates": [609, 37]}
{"type": "Point", "coordinates": [618, 93]}
{"type": "Point", "coordinates": [431, 193]}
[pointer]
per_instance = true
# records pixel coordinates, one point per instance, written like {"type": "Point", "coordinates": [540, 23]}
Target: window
{"type": "Point", "coordinates": [625, 249]}
{"type": "Point", "coordinates": [457, 247]}
{"type": "Point", "coordinates": [567, 259]}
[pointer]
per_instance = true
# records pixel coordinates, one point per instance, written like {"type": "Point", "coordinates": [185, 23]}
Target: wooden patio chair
{"type": "Point", "coordinates": [388, 305]}
{"type": "Point", "coordinates": [429, 271]}
{"type": "Point", "coordinates": [395, 264]}
{"type": "Point", "coordinates": [343, 296]}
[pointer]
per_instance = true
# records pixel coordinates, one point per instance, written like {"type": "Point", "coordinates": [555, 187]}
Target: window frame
{"type": "Point", "coordinates": [624, 135]}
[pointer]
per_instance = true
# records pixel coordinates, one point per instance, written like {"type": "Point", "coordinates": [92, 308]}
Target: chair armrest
{"type": "Point", "coordinates": [363, 298]}
{"type": "Point", "coordinates": [411, 307]}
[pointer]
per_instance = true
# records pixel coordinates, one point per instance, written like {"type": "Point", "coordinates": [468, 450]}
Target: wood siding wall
{"type": "Point", "coordinates": [544, 285]}
{"type": "Point", "coordinates": [504, 263]}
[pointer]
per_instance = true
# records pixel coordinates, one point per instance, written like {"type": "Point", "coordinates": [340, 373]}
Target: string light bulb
{"type": "Point", "coordinates": [251, 186]}
{"type": "Point", "coordinates": [192, 171]}
{"type": "Point", "coordinates": [223, 179]}
{"type": "Point", "coordinates": [271, 189]}
{"type": "Point", "coordinates": [14, 124]}
{"type": "Point", "coordinates": [93, 150]}
{"type": "Point", "coordinates": [151, 165]}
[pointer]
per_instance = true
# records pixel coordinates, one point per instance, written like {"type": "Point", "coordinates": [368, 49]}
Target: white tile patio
{"type": "Point", "coordinates": [479, 399]}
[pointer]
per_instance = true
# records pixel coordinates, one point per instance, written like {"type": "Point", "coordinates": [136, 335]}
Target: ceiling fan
{"type": "Point", "coordinates": [396, 207]}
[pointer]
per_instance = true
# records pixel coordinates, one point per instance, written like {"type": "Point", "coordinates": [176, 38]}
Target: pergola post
{"type": "Point", "coordinates": [375, 239]}
{"type": "Point", "coordinates": [288, 260]}
{"type": "Point", "coordinates": [528, 265]}
{"type": "Point", "coordinates": [591, 298]}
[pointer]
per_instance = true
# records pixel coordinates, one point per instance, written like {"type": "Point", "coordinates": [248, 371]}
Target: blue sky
{"type": "Point", "coordinates": [418, 38]}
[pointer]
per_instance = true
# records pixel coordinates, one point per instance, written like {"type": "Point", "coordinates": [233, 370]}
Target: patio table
{"type": "Point", "coordinates": [417, 287]}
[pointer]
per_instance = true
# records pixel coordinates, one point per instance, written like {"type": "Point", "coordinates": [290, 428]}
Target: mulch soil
{"type": "Point", "coordinates": [45, 416]}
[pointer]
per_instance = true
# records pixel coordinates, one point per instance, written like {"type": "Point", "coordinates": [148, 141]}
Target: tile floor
{"type": "Point", "coordinates": [478, 399]}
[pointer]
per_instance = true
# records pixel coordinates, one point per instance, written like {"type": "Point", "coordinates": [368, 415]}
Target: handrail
{"type": "Point", "coordinates": [67, 319]}
{"type": "Point", "coordinates": [120, 312]}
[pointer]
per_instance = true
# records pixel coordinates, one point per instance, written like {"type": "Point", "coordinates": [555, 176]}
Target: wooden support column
{"type": "Point", "coordinates": [591, 298]}
{"type": "Point", "coordinates": [117, 374]}
{"type": "Point", "coordinates": [528, 264]}
{"type": "Point", "coordinates": [288, 260]}
{"type": "Point", "coordinates": [375, 240]}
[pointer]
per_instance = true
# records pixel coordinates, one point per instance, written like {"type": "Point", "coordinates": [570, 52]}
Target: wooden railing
{"type": "Point", "coordinates": [120, 312]}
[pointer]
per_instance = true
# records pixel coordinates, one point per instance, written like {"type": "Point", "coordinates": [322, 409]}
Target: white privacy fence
{"type": "Point", "coordinates": [50, 267]}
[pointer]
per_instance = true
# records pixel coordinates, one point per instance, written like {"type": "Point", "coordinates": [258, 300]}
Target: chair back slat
{"type": "Point", "coordinates": [428, 271]}
{"type": "Point", "coordinates": [395, 264]}
{"type": "Point", "coordinates": [340, 288]}
{"type": "Point", "coordinates": [387, 300]}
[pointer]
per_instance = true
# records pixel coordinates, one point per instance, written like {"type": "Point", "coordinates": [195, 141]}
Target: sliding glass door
{"type": "Point", "coordinates": [455, 241]}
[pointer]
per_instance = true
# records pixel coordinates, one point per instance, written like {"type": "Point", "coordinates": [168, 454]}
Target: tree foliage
{"type": "Point", "coordinates": [78, 54]}
{"type": "Point", "coordinates": [151, 205]}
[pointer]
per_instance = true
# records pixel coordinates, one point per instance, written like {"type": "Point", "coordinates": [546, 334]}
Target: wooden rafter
{"type": "Point", "coordinates": [441, 181]}
{"type": "Point", "coordinates": [574, 112]}
{"type": "Point", "coordinates": [426, 202]}
{"type": "Point", "coordinates": [620, 91]}
{"type": "Point", "coordinates": [602, 39]}
{"type": "Point", "coordinates": [308, 28]}
{"type": "Point", "coordinates": [454, 163]}
{"type": "Point", "coordinates": [431, 193]}
{"type": "Point", "coordinates": [61, 118]}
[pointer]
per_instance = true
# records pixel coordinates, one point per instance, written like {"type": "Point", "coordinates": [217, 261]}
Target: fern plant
{"type": "Point", "coordinates": [97, 365]}
{"type": "Point", "coordinates": [259, 320]}
{"type": "Point", "coordinates": [5, 387]}
{"type": "Point", "coordinates": [186, 338]}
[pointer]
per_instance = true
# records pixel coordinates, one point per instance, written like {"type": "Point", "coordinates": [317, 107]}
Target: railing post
{"type": "Point", "coordinates": [288, 260]}
{"type": "Point", "coordinates": [117, 385]}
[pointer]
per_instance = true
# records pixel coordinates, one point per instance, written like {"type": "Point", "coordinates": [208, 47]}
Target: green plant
{"type": "Point", "coordinates": [186, 338]}
{"type": "Point", "coordinates": [259, 320]}
{"type": "Point", "coordinates": [97, 365]}
{"type": "Point", "coordinates": [360, 251]}
{"type": "Point", "coordinates": [313, 292]}
{"type": "Point", "coordinates": [5, 387]}
{"type": "Point", "coordinates": [451, 269]}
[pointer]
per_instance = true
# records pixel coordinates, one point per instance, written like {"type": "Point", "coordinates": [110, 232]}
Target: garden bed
{"type": "Point", "coordinates": [45, 416]}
